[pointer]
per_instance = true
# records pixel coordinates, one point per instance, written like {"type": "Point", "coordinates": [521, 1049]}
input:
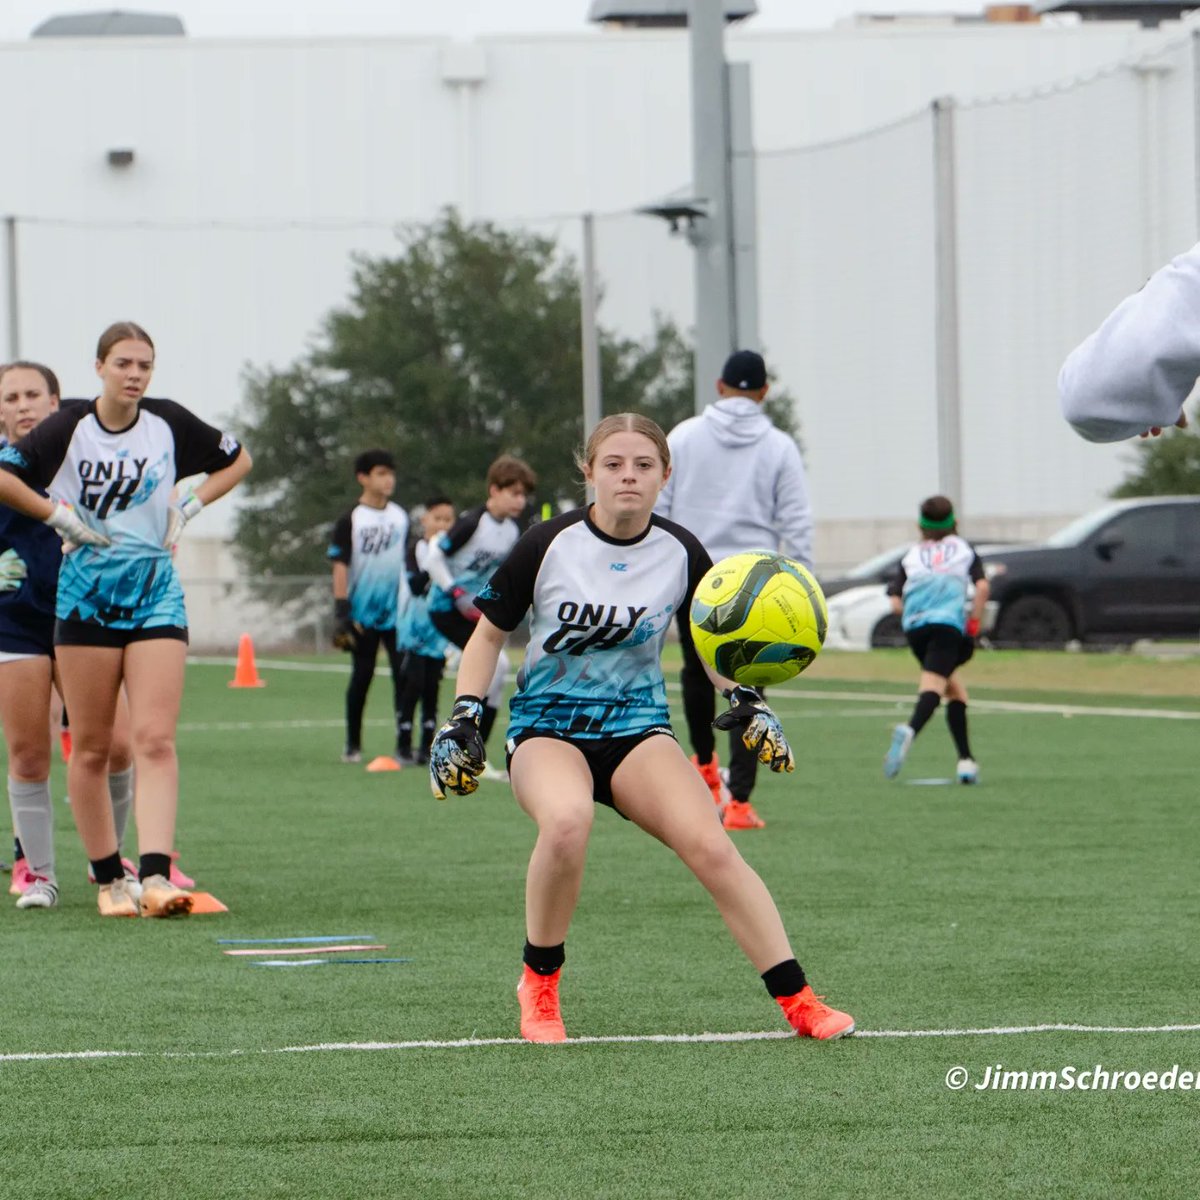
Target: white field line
{"type": "Point", "coordinates": [615, 1039]}
{"type": "Point", "coordinates": [787, 694]}
{"type": "Point", "coordinates": [259, 726]}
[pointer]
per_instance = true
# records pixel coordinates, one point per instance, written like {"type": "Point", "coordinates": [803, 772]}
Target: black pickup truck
{"type": "Point", "coordinates": [1129, 570]}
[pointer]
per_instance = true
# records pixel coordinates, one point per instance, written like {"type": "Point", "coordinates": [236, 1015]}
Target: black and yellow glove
{"type": "Point", "coordinates": [761, 730]}
{"type": "Point", "coordinates": [457, 756]}
{"type": "Point", "coordinates": [345, 631]}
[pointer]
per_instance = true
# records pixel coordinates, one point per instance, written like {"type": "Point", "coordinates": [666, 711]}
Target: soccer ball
{"type": "Point", "coordinates": [758, 618]}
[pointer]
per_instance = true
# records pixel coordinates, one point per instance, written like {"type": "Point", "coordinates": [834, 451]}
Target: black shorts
{"type": "Point", "coordinates": [603, 755]}
{"type": "Point", "coordinates": [35, 637]}
{"type": "Point", "coordinates": [84, 633]}
{"type": "Point", "coordinates": [940, 649]}
{"type": "Point", "coordinates": [453, 626]}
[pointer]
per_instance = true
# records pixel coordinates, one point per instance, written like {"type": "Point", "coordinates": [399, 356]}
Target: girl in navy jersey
{"type": "Point", "coordinates": [109, 467]}
{"type": "Point", "coordinates": [30, 553]}
{"type": "Point", "coordinates": [590, 721]}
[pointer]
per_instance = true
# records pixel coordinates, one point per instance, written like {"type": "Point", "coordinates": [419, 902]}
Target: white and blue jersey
{"type": "Point", "coordinates": [601, 610]}
{"type": "Point", "coordinates": [467, 554]}
{"type": "Point", "coordinates": [30, 554]}
{"type": "Point", "coordinates": [120, 482]}
{"type": "Point", "coordinates": [416, 632]}
{"type": "Point", "coordinates": [372, 543]}
{"type": "Point", "coordinates": [935, 580]}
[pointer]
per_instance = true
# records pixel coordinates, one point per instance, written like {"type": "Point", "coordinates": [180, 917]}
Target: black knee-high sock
{"type": "Point", "coordinates": [956, 718]}
{"type": "Point", "coordinates": [925, 707]}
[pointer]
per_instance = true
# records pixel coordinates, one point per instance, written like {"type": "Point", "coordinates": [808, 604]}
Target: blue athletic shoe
{"type": "Point", "coordinates": [902, 738]}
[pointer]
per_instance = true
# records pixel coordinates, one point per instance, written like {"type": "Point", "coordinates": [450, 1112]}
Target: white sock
{"type": "Point", "coordinates": [33, 819]}
{"type": "Point", "coordinates": [120, 786]}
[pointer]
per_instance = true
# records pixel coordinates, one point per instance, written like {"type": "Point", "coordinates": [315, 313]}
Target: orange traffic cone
{"type": "Point", "coordinates": [383, 763]}
{"type": "Point", "coordinates": [246, 673]}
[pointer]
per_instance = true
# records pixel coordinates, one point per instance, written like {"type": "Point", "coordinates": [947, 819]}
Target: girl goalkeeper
{"type": "Point", "coordinates": [589, 721]}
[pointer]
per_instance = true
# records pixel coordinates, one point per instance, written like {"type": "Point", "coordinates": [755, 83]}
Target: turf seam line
{"type": "Point", "coordinates": [613, 1039]}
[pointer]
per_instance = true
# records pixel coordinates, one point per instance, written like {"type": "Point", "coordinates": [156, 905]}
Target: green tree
{"type": "Point", "coordinates": [464, 346]}
{"type": "Point", "coordinates": [1164, 466]}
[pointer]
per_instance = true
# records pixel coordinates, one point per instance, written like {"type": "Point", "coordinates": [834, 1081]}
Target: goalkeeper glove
{"type": "Point", "coordinates": [13, 571]}
{"type": "Point", "coordinates": [761, 730]}
{"type": "Point", "coordinates": [457, 756]}
{"type": "Point", "coordinates": [464, 604]}
{"type": "Point", "coordinates": [345, 631]}
{"type": "Point", "coordinates": [179, 514]}
{"type": "Point", "coordinates": [65, 521]}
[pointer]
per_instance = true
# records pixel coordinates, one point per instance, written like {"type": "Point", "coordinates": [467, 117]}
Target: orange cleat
{"type": "Point", "coordinates": [809, 1017]}
{"type": "Point", "coordinates": [541, 1018]}
{"type": "Point", "coordinates": [710, 772]}
{"type": "Point", "coordinates": [740, 814]}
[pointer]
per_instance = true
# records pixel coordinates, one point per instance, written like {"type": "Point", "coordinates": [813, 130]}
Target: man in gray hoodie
{"type": "Point", "coordinates": [737, 482]}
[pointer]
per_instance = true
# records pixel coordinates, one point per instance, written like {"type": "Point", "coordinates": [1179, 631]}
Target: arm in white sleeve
{"type": "Point", "coordinates": [1137, 369]}
{"type": "Point", "coordinates": [793, 512]}
{"type": "Point", "coordinates": [437, 567]}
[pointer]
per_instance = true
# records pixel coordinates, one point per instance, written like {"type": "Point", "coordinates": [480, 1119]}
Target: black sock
{"type": "Point", "coordinates": [785, 979]}
{"type": "Point", "coordinates": [108, 869]}
{"type": "Point", "coordinates": [18, 853]}
{"type": "Point", "coordinates": [544, 960]}
{"type": "Point", "coordinates": [925, 707]}
{"type": "Point", "coordinates": [404, 737]}
{"type": "Point", "coordinates": [154, 864]}
{"type": "Point", "coordinates": [956, 718]}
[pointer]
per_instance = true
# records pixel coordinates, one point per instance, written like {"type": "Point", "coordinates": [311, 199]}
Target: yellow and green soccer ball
{"type": "Point", "coordinates": [758, 618]}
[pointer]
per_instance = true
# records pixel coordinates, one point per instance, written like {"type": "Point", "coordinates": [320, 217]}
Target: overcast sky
{"type": "Point", "coordinates": [406, 18]}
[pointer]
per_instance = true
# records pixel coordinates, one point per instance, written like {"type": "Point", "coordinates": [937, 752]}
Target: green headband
{"type": "Point", "coordinates": [945, 523]}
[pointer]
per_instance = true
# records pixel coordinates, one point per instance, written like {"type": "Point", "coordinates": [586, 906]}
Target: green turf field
{"type": "Point", "coordinates": [1062, 890]}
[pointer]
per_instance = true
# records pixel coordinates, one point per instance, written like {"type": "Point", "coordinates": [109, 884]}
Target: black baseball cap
{"type": "Point", "coordinates": [745, 371]}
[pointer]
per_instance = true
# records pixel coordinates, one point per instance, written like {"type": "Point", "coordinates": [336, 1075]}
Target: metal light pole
{"type": "Point", "coordinates": [949, 375]}
{"type": "Point", "coordinates": [12, 289]}
{"type": "Point", "coordinates": [592, 393]}
{"type": "Point", "coordinates": [593, 399]}
{"type": "Point", "coordinates": [711, 234]}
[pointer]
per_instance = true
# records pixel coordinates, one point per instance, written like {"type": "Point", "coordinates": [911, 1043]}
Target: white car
{"type": "Point", "coordinates": [861, 618]}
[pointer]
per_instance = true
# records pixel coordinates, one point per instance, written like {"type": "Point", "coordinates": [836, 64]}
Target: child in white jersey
{"type": "Point", "coordinates": [931, 594]}
{"type": "Point", "coordinates": [370, 588]}
{"type": "Point", "coordinates": [461, 561]}
{"type": "Point", "coordinates": [590, 722]}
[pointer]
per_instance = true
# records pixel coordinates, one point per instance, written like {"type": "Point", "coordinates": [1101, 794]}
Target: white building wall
{"type": "Point", "coordinates": [262, 166]}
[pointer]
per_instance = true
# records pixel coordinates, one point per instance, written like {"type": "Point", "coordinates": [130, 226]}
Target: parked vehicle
{"type": "Point", "coordinates": [1128, 570]}
{"type": "Point", "coordinates": [877, 569]}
